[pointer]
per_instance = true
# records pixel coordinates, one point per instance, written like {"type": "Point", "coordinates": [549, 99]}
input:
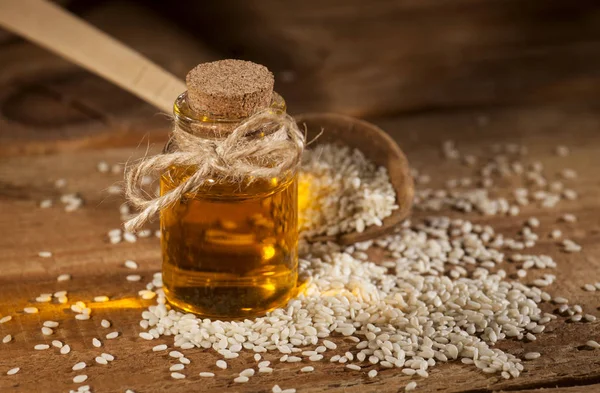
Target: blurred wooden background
{"type": "Point", "coordinates": [364, 58]}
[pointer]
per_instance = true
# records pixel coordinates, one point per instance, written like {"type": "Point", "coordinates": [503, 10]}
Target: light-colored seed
{"type": "Point", "coordinates": [353, 367]}
{"type": "Point", "coordinates": [31, 310]}
{"type": "Point", "coordinates": [101, 360]}
{"type": "Point", "coordinates": [146, 336]}
{"type": "Point", "coordinates": [241, 380]}
{"type": "Point", "coordinates": [41, 347]}
{"type": "Point", "coordinates": [65, 349]}
{"type": "Point", "coordinates": [589, 287]}
{"type": "Point", "coordinates": [112, 335]}
{"type": "Point", "coordinates": [247, 372]}
{"type": "Point", "coordinates": [5, 319]}
{"type": "Point", "coordinates": [133, 277]}
{"type": "Point", "coordinates": [175, 354]}
{"type": "Point", "coordinates": [184, 360]}
{"type": "Point", "coordinates": [7, 339]}
{"type": "Point", "coordinates": [96, 343]}
{"type": "Point", "coordinates": [532, 355]}
{"type": "Point", "coordinates": [593, 344]}
{"type": "Point", "coordinates": [50, 324]}
{"type": "Point", "coordinates": [82, 317]}
{"type": "Point", "coordinates": [46, 331]}
{"type": "Point", "coordinates": [307, 369]}
{"type": "Point", "coordinates": [160, 347]}
{"type": "Point", "coordinates": [45, 254]}
{"type": "Point", "coordinates": [410, 386]}
{"type": "Point", "coordinates": [265, 370]}
{"type": "Point", "coordinates": [221, 364]}
{"type": "Point", "coordinates": [177, 367]}
{"type": "Point", "coordinates": [206, 375]}
{"type": "Point", "coordinates": [177, 376]}
{"type": "Point", "coordinates": [63, 277]}
{"type": "Point", "coordinates": [129, 264]}
{"type": "Point", "coordinates": [101, 299]}
{"type": "Point", "coordinates": [80, 378]}
{"type": "Point", "coordinates": [13, 371]}
{"type": "Point", "coordinates": [372, 373]}
{"type": "Point", "coordinates": [105, 324]}
{"type": "Point", "coordinates": [108, 356]}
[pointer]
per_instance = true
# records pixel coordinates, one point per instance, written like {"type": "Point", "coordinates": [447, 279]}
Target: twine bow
{"type": "Point", "coordinates": [241, 155]}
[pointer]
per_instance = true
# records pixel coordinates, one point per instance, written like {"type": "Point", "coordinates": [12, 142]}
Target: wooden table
{"type": "Point", "coordinates": [58, 122]}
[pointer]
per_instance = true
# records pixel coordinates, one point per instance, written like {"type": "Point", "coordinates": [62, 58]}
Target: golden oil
{"type": "Point", "coordinates": [229, 248]}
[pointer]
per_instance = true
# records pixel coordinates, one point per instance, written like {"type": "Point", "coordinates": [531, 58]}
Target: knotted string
{"type": "Point", "coordinates": [264, 146]}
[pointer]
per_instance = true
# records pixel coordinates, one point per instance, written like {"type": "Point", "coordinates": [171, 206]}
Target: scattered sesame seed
{"type": "Point", "coordinates": [80, 378]}
{"type": "Point", "coordinates": [79, 366]}
{"type": "Point", "coordinates": [105, 323]}
{"type": "Point", "coordinates": [7, 339]}
{"type": "Point", "coordinates": [129, 264]}
{"type": "Point", "coordinates": [41, 347]}
{"type": "Point", "coordinates": [30, 310]}
{"type": "Point", "coordinates": [307, 369]}
{"type": "Point", "coordinates": [206, 375]}
{"type": "Point", "coordinates": [46, 331]}
{"type": "Point", "coordinates": [221, 364]}
{"type": "Point", "coordinates": [96, 343]}
{"type": "Point", "coordinates": [160, 347]}
{"type": "Point", "coordinates": [410, 386]}
{"type": "Point", "coordinates": [13, 371]}
{"type": "Point", "coordinates": [63, 277]}
{"type": "Point", "coordinates": [65, 349]}
{"type": "Point", "coordinates": [146, 336]}
{"type": "Point", "coordinates": [593, 344]}
{"type": "Point", "coordinates": [241, 380]}
{"type": "Point", "coordinates": [133, 277]}
{"type": "Point", "coordinates": [5, 319]}
{"type": "Point", "coordinates": [177, 376]}
{"type": "Point", "coordinates": [177, 367]}
{"type": "Point", "coordinates": [45, 254]}
{"type": "Point", "coordinates": [532, 355]}
{"type": "Point", "coordinates": [372, 373]}
{"type": "Point", "coordinates": [101, 299]}
{"type": "Point", "coordinates": [112, 335]}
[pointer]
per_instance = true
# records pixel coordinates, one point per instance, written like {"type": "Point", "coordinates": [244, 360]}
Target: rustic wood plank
{"type": "Point", "coordinates": [78, 242]}
{"type": "Point", "coordinates": [345, 56]}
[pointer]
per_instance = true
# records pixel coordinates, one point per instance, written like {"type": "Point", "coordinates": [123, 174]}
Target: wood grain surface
{"type": "Point", "coordinates": [80, 247]}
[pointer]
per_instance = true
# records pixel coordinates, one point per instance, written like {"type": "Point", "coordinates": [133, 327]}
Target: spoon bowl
{"type": "Point", "coordinates": [379, 148]}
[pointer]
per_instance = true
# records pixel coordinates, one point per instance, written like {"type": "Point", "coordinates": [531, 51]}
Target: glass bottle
{"type": "Point", "coordinates": [230, 249]}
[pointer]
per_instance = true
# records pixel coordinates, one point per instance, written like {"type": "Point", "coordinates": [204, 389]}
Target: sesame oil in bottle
{"type": "Point", "coordinates": [230, 248]}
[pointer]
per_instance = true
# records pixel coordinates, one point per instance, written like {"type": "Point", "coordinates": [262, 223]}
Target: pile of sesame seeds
{"type": "Point", "coordinates": [341, 191]}
{"type": "Point", "coordinates": [443, 292]}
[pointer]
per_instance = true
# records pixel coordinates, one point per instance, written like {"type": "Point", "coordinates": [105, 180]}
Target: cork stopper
{"type": "Point", "coordinates": [229, 88]}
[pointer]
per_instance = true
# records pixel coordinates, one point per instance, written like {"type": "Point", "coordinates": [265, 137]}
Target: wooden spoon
{"type": "Point", "coordinates": [377, 147]}
{"type": "Point", "coordinates": [53, 28]}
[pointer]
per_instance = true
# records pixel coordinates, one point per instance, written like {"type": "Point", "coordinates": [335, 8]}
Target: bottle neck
{"type": "Point", "coordinates": [208, 125]}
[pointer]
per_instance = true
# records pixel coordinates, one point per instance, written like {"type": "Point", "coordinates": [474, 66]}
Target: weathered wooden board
{"type": "Point", "coordinates": [349, 56]}
{"type": "Point", "coordinates": [79, 245]}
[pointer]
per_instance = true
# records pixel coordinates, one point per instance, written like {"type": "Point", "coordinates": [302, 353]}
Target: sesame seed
{"type": "Point", "coordinates": [112, 335]}
{"type": "Point", "coordinates": [7, 339]}
{"type": "Point", "coordinates": [160, 347]}
{"type": "Point", "coordinates": [532, 355]}
{"type": "Point", "coordinates": [129, 264]}
{"type": "Point", "coordinates": [133, 277]}
{"type": "Point", "coordinates": [307, 369]}
{"type": "Point", "coordinates": [175, 354]}
{"type": "Point", "coordinates": [241, 380]}
{"type": "Point", "coordinates": [410, 386]}
{"type": "Point", "coordinates": [146, 336]}
{"type": "Point", "coordinates": [177, 367]}
{"type": "Point", "coordinates": [96, 343]}
{"type": "Point", "coordinates": [177, 375]}
{"type": "Point", "coordinates": [65, 349]}
{"type": "Point", "coordinates": [105, 323]}
{"type": "Point", "coordinates": [46, 331]}
{"type": "Point", "coordinates": [247, 372]}
{"type": "Point", "coordinates": [45, 254]}
{"type": "Point", "coordinates": [206, 375]}
{"type": "Point", "coordinates": [372, 373]}
{"type": "Point", "coordinates": [108, 356]}
{"type": "Point", "coordinates": [80, 378]}
{"type": "Point", "coordinates": [221, 364]}
{"type": "Point", "coordinates": [101, 360]}
{"type": "Point", "coordinates": [13, 371]}
{"type": "Point", "coordinates": [41, 347]}
{"type": "Point", "coordinates": [30, 310]}
{"type": "Point", "coordinates": [5, 319]}
{"type": "Point", "coordinates": [593, 344]}
{"type": "Point", "coordinates": [101, 299]}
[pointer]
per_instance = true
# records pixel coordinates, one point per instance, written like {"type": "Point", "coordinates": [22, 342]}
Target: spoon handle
{"type": "Point", "coordinates": [53, 28]}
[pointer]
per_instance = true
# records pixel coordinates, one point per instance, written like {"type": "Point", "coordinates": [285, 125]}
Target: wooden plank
{"type": "Point", "coordinates": [348, 56]}
{"type": "Point", "coordinates": [79, 245]}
